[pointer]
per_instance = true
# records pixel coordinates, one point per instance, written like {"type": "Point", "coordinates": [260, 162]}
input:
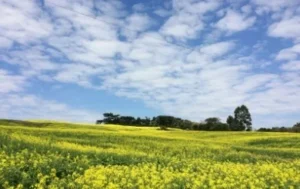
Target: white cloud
{"type": "Point", "coordinates": [280, 97]}
{"type": "Point", "coordinates": [111, 8]}
{"type": "Point", "coordinates": [162, 12]}
{"type": "Point", "coordinates": [274, 5]}
{"type": "Point", "coordinates": [105, 47]}
{"type": "Point", "coordinates": [139, 7]}
{"type": "Point", "coordinates": [287, 28]}
{"type": "Point", "coordinates": [235, 22]}
{"type": "Point", "coordinates": [181, 27]}
{"type": "Point", "coordinates": [81, 74]}
{"type": "Point", "coordinates": [151, 49]}
{"type": "Point", "coordinates": [11, 83]}
{"type": "Point", "coordinates": [291, 66]}
{"type": "Point", "coordinates": [19, 22]}
{"type": "Point", "coordinates": [136, 23]}
{"type": "Point", "coordinates": [188, 90]}
{"type": "Point", "coordinates": [195, 7]}
{"type": "Point", "coordinates": [254, 82]}
{"type": "Point", "coordinates": [289, 53]}
{"type": "Point", "coordinates": [187, 21]}
{"type": "Point", "coordinates": [20, 106]}
{"type": "Point", "coordinates": [31, 61]}
{"type": "Point", "coordinates": [5, 43]}
{"type": "Point", "coordinates": [247, 9]}
{"type": "Point", "coordinates": [217, 49]}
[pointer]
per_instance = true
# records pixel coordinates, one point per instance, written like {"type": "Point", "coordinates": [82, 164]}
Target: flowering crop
{"type": "Point", "coordinates": [74, 156]}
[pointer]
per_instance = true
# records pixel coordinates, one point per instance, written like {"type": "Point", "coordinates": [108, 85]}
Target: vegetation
{"type": "Point", "coordinates": [295, 128]}
{"type": "Point", "coordinates": [241, 121]}
{"type": "Point", "coordinates": [62, 155]}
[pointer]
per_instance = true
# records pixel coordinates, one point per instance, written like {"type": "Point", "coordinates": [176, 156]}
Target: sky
{"type": "Point", "coordinates": [73, 60]}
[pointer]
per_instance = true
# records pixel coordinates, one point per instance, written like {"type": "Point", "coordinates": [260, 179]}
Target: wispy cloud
{"type": "Point", "coordinates": [187, 20]}
{"type": "Point", "coordinates": [286, 28]}
{"type": "Point", "coordinates": [10, 82]}
{"type": "Point", "coordinates": [20, 106]}
{"type": "Point", "coordinates": [235, 22]}
{"type": "Point", "coordinates": [291, 53]}
{"type": "Point", "coordinates": [189, 61]}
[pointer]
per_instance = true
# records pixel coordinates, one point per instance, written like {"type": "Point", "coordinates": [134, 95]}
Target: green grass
{"type": "Point", "coordinates": [39, 154]}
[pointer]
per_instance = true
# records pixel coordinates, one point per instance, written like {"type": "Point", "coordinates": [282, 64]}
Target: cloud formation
{"type": "Point", "coordinates": [20, 106]}
{"type": "Point", "coordinates": [235, 22]}
{"type": "Point", "coordinates": [286, 28]}
{"type": "Point", "coordinates": [11, 83]}
{"type": "Point", "coordinates": [185, 58]}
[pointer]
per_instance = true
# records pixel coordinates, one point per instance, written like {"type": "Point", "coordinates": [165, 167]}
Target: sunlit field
{"type": "Point", "coordinates": [61, 155]}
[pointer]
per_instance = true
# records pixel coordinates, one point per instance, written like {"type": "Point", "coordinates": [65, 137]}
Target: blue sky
{"type": "Point", "coordinates": [74, 60]}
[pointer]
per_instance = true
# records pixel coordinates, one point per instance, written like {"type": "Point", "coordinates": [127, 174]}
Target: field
{"type": "Point", "coordinates": [62, 155]}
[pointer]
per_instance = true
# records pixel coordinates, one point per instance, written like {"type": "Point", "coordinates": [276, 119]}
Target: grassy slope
{"type": "Point", "coordinates": [69, 149]}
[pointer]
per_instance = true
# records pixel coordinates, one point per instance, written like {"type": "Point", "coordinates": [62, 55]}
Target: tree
{"type": "Point", "coordinates": [212, 120]}
{"type": "Point", "coordinates": [244, 118]}
{"type": "Point", "coordinates": [187, 124]}
{"type": "Point", "coordinates": [178, 123]}
{"type": "Point", "coordinates": [111, 118]}
{"type": "Point", "coordinates": [219, 127]}
{"type": "Point", "coordinates": [203, 127]}
{"type": "Point", "coordinates": [263, 129]}
{"type": "Point", "coordinates": [297, 125]}
{"type": "Point", "coordinates": [233, 124]}
{"type": "Point", "coordinates": [99, 121]}
{"type": "Point", "coordinates": [164, 121]}
{"type": "Point", "coordinates": [214, 124]}
{"type": "Point", "coordinates": [241, 121]}
{"type": "Point", "coordinates": [230, 120]}
{"type": "Point", "coordinates": [145, 121]}
{"type": "Point", "coordinates": [126, 120]}
{"type": "Point", "coordinates": [153, 122]}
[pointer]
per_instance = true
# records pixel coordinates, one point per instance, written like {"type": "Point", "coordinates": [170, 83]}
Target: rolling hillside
{"type": "Point", "coordinates": [64, 155]}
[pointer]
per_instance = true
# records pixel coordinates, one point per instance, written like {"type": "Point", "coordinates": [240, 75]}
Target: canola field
{"type": "Point", "coordinates": [61, 155]}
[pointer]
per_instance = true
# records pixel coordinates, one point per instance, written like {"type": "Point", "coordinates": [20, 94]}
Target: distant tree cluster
{"type": "Point", "coordinates": [110, 118]}
{"type": "Point", "coordinates": [240, 122]}
{"type": "Point", "coordinates": [210, 124]}
{"type": "Point", "coordinates": [164, 122]}
{"type": "Point", "coordinates": [295, 128]}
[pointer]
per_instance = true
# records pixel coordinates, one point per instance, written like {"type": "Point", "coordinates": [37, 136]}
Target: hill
{"type": "Point", "coordinates": [66, 155]}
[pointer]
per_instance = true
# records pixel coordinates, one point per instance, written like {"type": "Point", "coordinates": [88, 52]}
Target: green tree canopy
{"type": "Point", "coordinates": [241, 121]}
{"type": "Point", "coordinates": [212, 120]}
{"type": "Point", "coordinates": [297, 125]}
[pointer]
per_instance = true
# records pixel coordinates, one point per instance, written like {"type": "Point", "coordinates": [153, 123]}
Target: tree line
{"type": "Point", "coordinates": [295, 128]}
{"type": "Point", "coordinates": [240, 121]}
